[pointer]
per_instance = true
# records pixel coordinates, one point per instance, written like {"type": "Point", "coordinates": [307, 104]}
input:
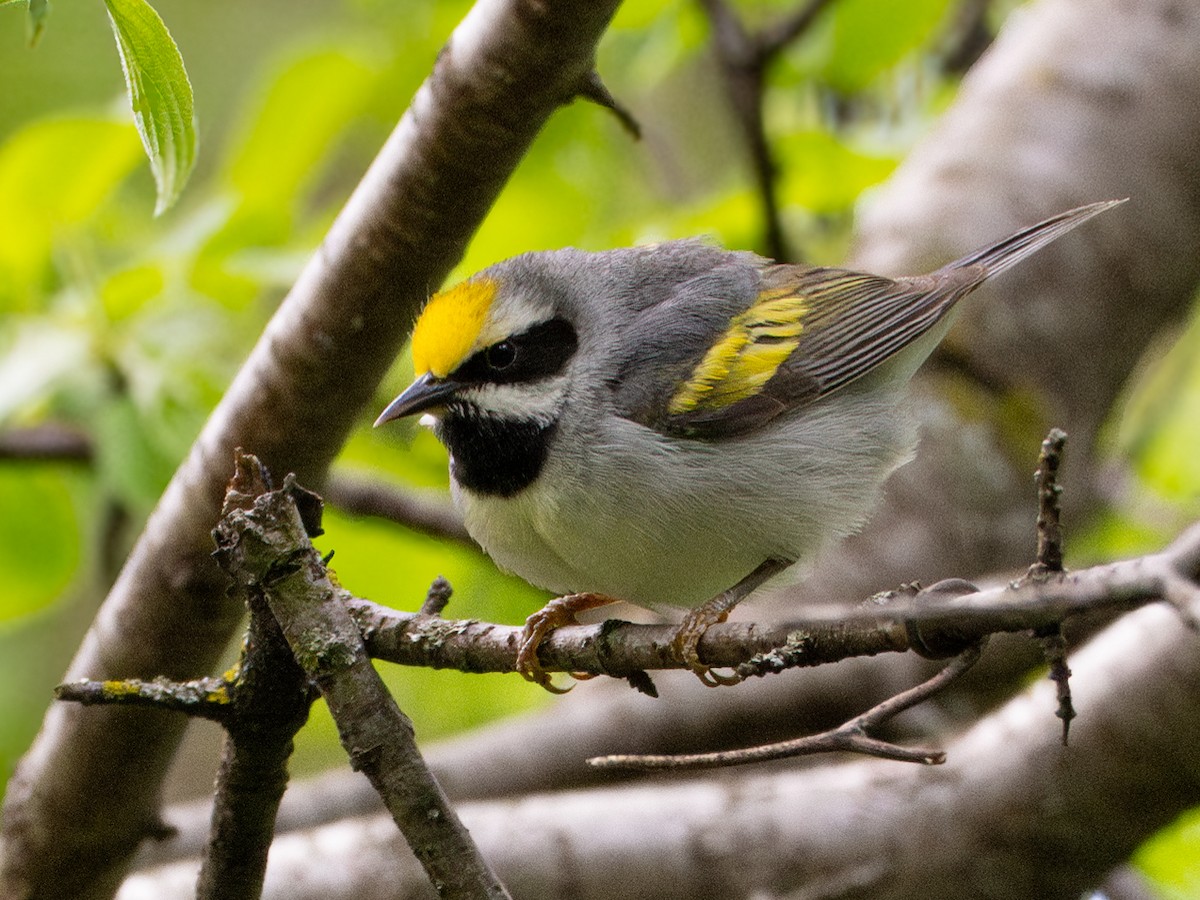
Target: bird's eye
{"type": "Point", "coordinates": [501, 355]}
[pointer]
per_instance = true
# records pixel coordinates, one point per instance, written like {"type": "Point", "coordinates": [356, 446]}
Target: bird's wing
{"type": "Point", "coordinates": [805, 333]}
{"type": "Point", "coordinates": [793, 334]}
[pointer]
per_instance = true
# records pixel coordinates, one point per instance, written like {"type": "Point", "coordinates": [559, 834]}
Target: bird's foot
{"type": "Point", "coordinates": [558, 612]}
{"type": "Point", "coordinates": [685, 645]}
{"type": "Point", "coordinates": [686, 642]}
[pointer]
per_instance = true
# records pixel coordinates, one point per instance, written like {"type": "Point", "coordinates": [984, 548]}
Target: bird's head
{"type": "Point", "coordinates": [480, 349]}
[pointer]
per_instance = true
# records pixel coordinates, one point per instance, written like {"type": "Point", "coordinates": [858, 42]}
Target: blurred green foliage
{"type": "Point", "coordinates": [127, 328]}
{"type": "Point", "coordinates": [1169, 859]}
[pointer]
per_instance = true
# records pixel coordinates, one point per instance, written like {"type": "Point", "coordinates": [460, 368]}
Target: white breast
{"type": "Point", "coordinates": [662, 521]}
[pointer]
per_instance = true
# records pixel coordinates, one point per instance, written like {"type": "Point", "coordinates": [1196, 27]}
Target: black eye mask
{"type": "Point", "coordinates": [534, 355]}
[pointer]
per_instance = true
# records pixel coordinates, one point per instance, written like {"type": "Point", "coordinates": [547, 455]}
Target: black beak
{"type": "Point", "coordinates": [424, 393]}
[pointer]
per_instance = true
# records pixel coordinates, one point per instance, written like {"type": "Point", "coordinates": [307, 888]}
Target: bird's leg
{"type": "Point", "coordinates": [685, 644]}
{"type": "Point", "coordinates": [558, 612]}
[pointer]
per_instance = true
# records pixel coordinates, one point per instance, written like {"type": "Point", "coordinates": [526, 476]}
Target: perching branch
{"type": "Point", "coordinates": [1010, 812]}
{"type": "Point", "coordinates": [823, 635]}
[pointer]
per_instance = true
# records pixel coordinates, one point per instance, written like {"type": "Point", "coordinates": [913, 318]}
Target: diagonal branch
{"type": "Point", "coordinates": [262, 542]}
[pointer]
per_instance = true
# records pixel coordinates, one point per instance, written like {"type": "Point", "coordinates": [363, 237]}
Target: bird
{"type": "Point", "coordinates": [675, 424]}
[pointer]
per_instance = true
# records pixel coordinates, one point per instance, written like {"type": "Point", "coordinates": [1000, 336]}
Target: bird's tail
{"type": "Point", "coordinates": [1007, 253]}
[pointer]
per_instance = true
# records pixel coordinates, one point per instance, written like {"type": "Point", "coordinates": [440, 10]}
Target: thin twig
{"type": "Point", "coordinates": [594, 89]}
{"type": "Point", "coordinates": [1049, 520]}
{"type": "Point", "coordinates": [1050, 560]}
{"type": "Point", "coordinates": [970, 36]}
{"type": "Point", "coordinates": [1054, 648]}
{"type": "Point", "coordinates": [744, 58]}
{"type": "Point", "coordinates": [851, 737]}
{"type": "Point", "coordinates": [436, 597]}
{"type": "Point", "coordinates": [203, 698]}
{"type": "Point", "coordinates": [46, 443]}
{"type": "Point", "coordinates": [774, 38]}
{"type": "Point", "coordinates": [742, 68]}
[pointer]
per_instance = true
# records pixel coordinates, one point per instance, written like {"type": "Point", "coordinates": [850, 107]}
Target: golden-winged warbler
{"type": "Point", "coordinates": [673, 425]}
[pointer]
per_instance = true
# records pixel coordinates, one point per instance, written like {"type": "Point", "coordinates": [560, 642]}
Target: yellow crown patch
{"type": "Point", "coordinates": [448, 327]}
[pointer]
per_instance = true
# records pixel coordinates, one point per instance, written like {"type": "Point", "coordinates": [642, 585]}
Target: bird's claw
{"type": "Point", "coordinates": [686, 643]}
{"type": "Point", "coordinates": [558, 612]}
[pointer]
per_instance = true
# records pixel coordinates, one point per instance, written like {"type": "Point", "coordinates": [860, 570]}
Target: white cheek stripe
{"type": "Point", "coordinates": [540, 401]}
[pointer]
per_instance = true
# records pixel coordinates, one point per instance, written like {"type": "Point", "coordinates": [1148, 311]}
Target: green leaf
{"type": "Point", "coordinates": [132, 464]}
{"type": "Point", "coordinates": [307, 109]}
{"type": "Point", "coordinates": [159, 93]}
{"type": "Point", "coordinates": [1159, 426]}
{"type": "Point", "coordinates": [39, 12]}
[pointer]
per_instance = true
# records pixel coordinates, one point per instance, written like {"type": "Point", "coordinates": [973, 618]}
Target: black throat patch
{"type": "Point", "coordinates": [491, 455]}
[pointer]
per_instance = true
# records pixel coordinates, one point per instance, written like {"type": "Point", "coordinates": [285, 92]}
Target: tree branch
{"type": "Point", "coordinates": [852, 736]}
{"type": "Point", "coordinates": [823, 635]}
{"type": "Point", "coordinates": [263, 543]}
{"type": "Point", "coordinates": [743, 58]}
{"type": "Point", "coordinates": [271, 698]}
{"type": "Point", "coordinates": [378, 499]}
{"type": "Point", "coordinates": [1049, 519]}
{"type": "Point", "coordinates": [353, 494]}
{"type": "Point", "coordinates": [45, 443]}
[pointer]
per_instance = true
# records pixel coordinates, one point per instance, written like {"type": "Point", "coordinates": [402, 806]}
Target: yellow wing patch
{"type": "Point", "coordinates": [448, 327]}
{"type": "Point", "coordinates": [747, 355]}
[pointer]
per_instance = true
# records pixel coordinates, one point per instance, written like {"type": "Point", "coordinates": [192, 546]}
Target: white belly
{"type": "Point", "coordinates": [658, 521]}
